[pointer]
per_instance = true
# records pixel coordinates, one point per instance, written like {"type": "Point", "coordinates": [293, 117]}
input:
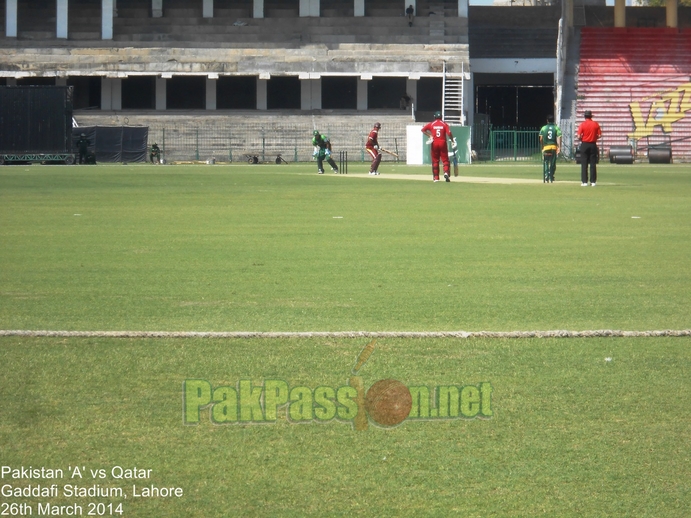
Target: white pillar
{"type": "Point", "coordinates": [61, 19]}
{"type": "Point", "coordinates": [161, 101]}
{"type": "Point", "coordinates": [359, 8]}
{"type": "Point", "coordinates": [156, 8]}
{"type": "Point", "coordinates": [11, 18]}
{"type": "Point", "coordinates": [309, 8]}
{"type": "Point", "coordinates": [310, 94]}
{"type": "Point", "coordinates": [208, 9]}
{"type": "Point", "coordinates": [258, 9]}
{"type": "Point", "coordinates": [107, 8]}
{"type": "Point", "coordinates": [463, 8]}
{"type": "Point", "coordinates": [211, 92]}
{"type": "Point", "coordinates": [261, 94]}
{"type": "Point", "coordinates": [362, 94]}
{"type": "Point", "coordinates": [106, 93]}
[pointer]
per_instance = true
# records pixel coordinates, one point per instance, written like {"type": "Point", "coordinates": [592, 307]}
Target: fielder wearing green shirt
{"type": "Point", "coordinates": [322, 152]}
{"type": "Point", "coordinates": [550, 141]}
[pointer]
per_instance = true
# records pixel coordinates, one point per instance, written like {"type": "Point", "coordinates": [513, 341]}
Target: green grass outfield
{"type": "Point", "coordinates": [578, 427]}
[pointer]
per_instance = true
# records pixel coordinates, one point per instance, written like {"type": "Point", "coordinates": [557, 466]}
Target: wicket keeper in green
{"type": "Point", "coordinates": [550, 141]}
{"type": "Point", "coordinates": [322, 151]}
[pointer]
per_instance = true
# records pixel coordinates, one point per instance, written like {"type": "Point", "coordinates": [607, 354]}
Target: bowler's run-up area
{"type": "Point", "coordinates": [260, 340]}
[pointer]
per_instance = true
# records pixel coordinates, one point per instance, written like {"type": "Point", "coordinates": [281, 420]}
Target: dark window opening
{"type": "Point", "coordinates": [385, 92]}
{"type": "Point", "coordinates": [283, 93]}
{"type": "Point", "coordinates": [236, 93]}
{"type": "Point", "coordinates": [339, 93]}
{"type": "Point", "coordinates": [87, 92]}
{"type": "Point", "coordinates": [139, 93]}
{"type": "Point", "coordinates": [186, 93]}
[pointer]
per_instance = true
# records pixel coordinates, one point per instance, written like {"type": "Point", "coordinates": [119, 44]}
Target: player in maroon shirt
{"type": "Point", "coordinates": [372, 148]}
{"type": "Point", "coordinates": [438, 131]}
{"type": "Point", "coordinates": [589, 132]}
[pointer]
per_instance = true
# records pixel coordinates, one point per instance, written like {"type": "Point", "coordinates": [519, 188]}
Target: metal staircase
{"type": "Point", "coordinates": [452, 102]}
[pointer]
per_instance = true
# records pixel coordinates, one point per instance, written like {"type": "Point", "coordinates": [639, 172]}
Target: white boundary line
{"type": "Point", "coordinates": [346, 334]}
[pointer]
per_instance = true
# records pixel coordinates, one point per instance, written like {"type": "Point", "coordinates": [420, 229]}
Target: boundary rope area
{"type": "Point", "coordinates": [347, 334]}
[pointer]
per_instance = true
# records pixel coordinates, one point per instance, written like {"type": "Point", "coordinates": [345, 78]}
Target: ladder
{"type": "Point", "coordinates": [452, 101]}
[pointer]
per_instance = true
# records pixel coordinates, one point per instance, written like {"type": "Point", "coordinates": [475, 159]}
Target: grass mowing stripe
{"type": "Point", "coordinates": [236, 247]}
{"type": "Point", "coordinates": [351, 334]}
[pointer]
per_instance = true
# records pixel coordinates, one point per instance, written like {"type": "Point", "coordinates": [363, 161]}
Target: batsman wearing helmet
{"type": "Point", "coordinates": [372, 148]}
{"type": "Point", "coordinates": [438, 131]}
{"type": "Point", "coordinates": [322, 151]}
{"type": "Point", "coordinates": [550, 140]}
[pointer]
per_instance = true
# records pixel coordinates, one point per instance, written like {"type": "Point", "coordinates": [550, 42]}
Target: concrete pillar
{"type": "Point", "coordinates": [208, 9]}
{"type": "Point", "coordinates": [362, 93]}
{"type": "Point", "coordinates": [463, 8]}
{"type": "Point", "coordinates": [411, 90]}
{"type": "Point", "coordinates": [116, 94]}
{"type": "Point", "coordinates": [156, 8]}
{"type": "Point", "coordinates": [61, 19]}
{"type": "Point", "coordinates": [261, 94]}
{"type": "Point", "coordinates": [211, 92]}
{"type": "Point", "coordinates": [11, 18]}
{"type": "Point", "coordinates": [468, 102]}
{"type": "Point", "coordinates": [359, 8]}
{"type": "Point", "coordinates": [310, 94]}
{"type": "Point", "coordinates": [567, 13]}
{"type": "Point", "coordinates": [161, 100]}
{"type": "Point", "coordinates": [620, 13]}
{"type": "Point", "coordinates": [107, 9]}
{"type": "Point", "coordinates": [106, 93]}
{"type": "Point", "coordinates": [310, 8]}
{"type": "Point", "coordinates": [258, 9]}
{"type": "Point", "coordinates": [672, 7]}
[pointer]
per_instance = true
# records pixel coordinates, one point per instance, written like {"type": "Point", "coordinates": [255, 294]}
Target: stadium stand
{"type": "Point", "coordinates": [184, 61]}
{"type": "Point", "coordinates": [636, 82]}
{"type": "Point", "coordinates": [172, 63]}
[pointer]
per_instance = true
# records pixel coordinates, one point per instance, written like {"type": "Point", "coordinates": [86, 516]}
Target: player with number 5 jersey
{"type": "Point", "coordinates": [438, 131]}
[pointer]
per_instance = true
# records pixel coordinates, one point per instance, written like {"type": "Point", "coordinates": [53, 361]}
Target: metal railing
{"type": "Point", "coordinates": [501, 145]}
{"type": "Point", "coordinates": [226, 143]}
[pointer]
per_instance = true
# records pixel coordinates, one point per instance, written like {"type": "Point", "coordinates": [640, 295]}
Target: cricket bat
{"type": "Point", "coordinates": [364, 356]}
{"type": "Point", "coordinates": [389, 152]}
{"type": "Point", "coordinates": [454, 159]}
{"type": "Point", "coordinates": [360, 422]}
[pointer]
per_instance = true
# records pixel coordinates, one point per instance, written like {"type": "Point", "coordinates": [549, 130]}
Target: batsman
{"type": "Point", "coordinates": [322, 151]}
{"type": "Point", "coordinates": [550, 141]}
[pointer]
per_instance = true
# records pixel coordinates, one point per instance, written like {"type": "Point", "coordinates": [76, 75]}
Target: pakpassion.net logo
{"type": "Point", "coordinates": [386, 403]}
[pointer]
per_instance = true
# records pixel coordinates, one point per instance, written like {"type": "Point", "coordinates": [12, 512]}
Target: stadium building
{"type": "Point", "coordinates": [228, 78]}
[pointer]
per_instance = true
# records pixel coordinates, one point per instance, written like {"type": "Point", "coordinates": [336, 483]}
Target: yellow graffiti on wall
{"type": "Point", "coordinates": [665, 109]}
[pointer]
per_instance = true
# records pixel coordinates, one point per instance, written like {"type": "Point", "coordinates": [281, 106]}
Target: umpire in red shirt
{"type": "Point", "coordinates": [588, 133]}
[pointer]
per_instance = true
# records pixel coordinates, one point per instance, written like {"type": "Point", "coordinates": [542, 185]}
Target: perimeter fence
{"type": "Point", "coordinates": [258, 142]}
{"type": "Point", "coordinates": [521, 145]}
{"type": "Point", "coordinates": [241, 138]}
